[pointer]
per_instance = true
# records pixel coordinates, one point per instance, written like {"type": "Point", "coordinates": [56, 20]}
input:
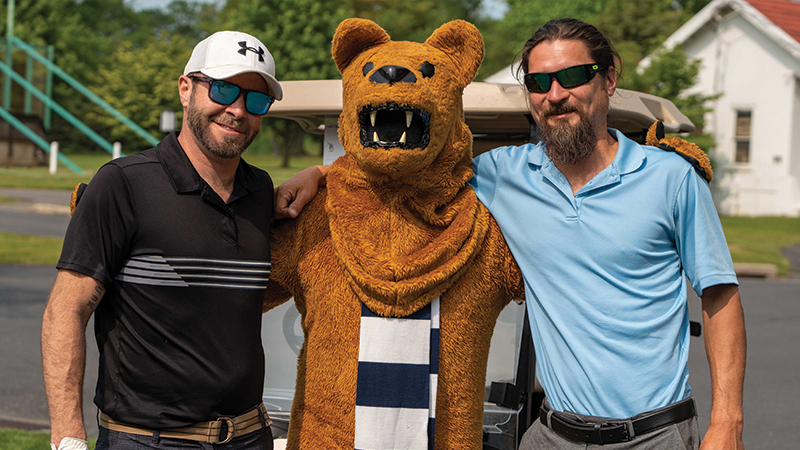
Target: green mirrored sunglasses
{"type": "Point", "coordinates": [567, 78]}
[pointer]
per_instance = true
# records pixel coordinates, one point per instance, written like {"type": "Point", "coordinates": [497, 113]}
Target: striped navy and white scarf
{"type": "Point", "coordinates": [398, 366]}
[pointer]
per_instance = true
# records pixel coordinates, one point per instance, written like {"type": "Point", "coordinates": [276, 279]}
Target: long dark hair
{"type": "Point", "coordinates": [570, 29]}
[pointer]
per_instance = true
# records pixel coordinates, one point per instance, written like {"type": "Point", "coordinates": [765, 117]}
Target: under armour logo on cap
{"type": "Point", "coordinates": [245, 48]}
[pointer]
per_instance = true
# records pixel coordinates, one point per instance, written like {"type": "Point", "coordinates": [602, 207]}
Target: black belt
{"type": "Point", "coordinates": [622, 430]}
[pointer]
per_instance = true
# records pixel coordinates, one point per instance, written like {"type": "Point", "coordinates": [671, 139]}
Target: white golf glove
{"type": "Point", "coordinates": [71, 443]}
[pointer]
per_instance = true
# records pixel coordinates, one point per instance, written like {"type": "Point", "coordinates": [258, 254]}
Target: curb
{"type": "Point", "coordinates": [754, 270]}
{"type": "Point", "coordinates": [47, 208]}
{"type": "Point", "coordinates": [24, 424]}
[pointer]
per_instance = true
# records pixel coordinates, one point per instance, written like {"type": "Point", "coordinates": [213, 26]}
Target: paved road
{"type": "Point", "coordinates": [772, 380]}
{"type": "Point", "coordinates": [772, 385]}
{"type": "Point", "coordinates": [23, 294]}
{"type": "Point", "coordinates": [37, 212]}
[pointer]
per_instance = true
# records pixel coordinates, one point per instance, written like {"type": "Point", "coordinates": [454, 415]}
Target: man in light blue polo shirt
{"type": "Point", "coordinates": [606, 232]}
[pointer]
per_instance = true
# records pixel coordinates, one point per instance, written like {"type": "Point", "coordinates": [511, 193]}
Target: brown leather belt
{"type": "Point", "coordinates": [217, 431]}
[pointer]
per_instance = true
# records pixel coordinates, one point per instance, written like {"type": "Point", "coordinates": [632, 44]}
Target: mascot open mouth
{"type": "Point", "coordinates": [394, 126]}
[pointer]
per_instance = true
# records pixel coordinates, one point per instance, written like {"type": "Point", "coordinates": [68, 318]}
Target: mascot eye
{"type": "Point", "coordinates": [427, 69]}
{"type": "Point", "coordinates": [367, 67]}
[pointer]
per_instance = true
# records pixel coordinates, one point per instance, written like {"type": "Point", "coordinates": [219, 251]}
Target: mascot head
{"type": "Point", "coordinates": [402, 110]}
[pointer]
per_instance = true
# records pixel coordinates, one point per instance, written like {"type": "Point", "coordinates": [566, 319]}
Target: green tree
{"type": "Point", "coordinates": [504, 38]}
{"type": "Point", "coordinates": [671, 74]}
{"type": "Point", "coordinates": [83, 34]}
{"type": "Point", "coordinates": [140, 77]}
{"type": "Point", "coordinates": [192, 21]}
{"type": "Point", "coordinates": [637, 27]}
{"type": "Point", "coordinates": [140, 81]}
{"type": "Point", "coordinates": [119, 54]}
{"type": "Point", "coordinates": [414, 21]}
{"type": "Point", "coordinates": [298, 35]}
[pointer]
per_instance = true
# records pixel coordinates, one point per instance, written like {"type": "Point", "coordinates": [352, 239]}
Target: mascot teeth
{"type": "Point", "coordinates": [394, 126]}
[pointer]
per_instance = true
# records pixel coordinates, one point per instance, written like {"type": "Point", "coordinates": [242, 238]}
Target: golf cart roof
{"type": "Point", "coordinates": [497, 114]}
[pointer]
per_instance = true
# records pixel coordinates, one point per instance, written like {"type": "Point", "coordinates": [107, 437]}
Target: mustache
{"type": "Point", "coordinates": [225, 120]}
{"type": "Point", "coordinates": [559, 109]}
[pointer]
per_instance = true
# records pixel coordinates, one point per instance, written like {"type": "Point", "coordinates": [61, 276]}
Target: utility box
{"type": "Point", "coordinates": [16, 149]}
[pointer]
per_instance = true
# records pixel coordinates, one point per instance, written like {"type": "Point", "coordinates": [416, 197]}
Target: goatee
{"type": "Point", "coordinates": [564, 143]}
{"type": "Point", "coordinates": [229, 147]}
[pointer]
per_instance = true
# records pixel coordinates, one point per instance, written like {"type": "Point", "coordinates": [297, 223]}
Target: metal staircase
{"type": "Point", "coordinates": [33, 55]}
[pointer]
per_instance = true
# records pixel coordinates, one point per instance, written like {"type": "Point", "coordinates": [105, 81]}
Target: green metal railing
{"type": "Point", "coordinates": [31, 89]}
{"type": "Point", "coordinates": [46, 98]}
{"type": "Point", "coordinates": [82, 89]}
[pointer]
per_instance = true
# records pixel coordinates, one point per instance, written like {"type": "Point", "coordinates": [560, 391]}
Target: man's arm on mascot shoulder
{"type": "Point", "coordinates": [293, 195]}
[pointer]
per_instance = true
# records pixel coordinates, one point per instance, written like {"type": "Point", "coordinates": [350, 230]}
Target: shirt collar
{"type": "Point", "coordinates": [630, 155]}
{"type": "Point", "coordinates": [184, 177]}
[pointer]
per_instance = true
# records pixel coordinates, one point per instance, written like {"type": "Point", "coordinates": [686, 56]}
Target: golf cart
{"type": "Point", "coordinates": [497, 115]}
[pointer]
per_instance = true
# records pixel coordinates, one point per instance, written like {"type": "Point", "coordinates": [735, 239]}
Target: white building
{"type": "Point", "coordinates": [750, 53]}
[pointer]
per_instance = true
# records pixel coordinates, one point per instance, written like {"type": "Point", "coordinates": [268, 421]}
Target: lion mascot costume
{"type": "Point", "coordinates": [398, 271]}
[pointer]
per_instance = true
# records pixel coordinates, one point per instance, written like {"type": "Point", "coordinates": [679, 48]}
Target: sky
{"type": "Point", "coordinates": [493, 8]}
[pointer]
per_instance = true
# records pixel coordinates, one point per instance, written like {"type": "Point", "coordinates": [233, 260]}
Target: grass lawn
{"type": "Point", "coordinates": [29, 250]}
{"type": "Point", "coordinates": [66, 179]}
{"type": "Point", "coordinates": [13, 439]}
{"type": "Point", "coordinates": [759, 239]}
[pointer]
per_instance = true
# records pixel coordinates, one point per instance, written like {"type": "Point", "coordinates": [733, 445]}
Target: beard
{"type": "Point", "coordinates": [229, 147]}
{"type": "Point", "coordinates": [564, 143]}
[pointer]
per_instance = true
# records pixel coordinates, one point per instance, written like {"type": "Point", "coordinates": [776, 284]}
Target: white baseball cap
{"type": "Point", "coordinates": [228, 53]}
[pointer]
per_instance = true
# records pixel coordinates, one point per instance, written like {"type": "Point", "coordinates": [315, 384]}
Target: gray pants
{"type": "Point", "coordinates": [681, 435]}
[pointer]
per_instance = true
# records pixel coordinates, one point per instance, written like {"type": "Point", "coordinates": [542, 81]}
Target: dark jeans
{"type": "Point", "coordinates": [115, 440]}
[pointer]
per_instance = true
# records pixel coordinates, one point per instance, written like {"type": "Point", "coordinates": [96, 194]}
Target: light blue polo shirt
{"type": "Point", "coordinates": [605, 270]}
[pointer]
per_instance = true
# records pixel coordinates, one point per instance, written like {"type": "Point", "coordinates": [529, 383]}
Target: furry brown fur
{"type": "Point", "coordinates": [396, 227]}
{"type": "Point", "coordinates": [689, 151]}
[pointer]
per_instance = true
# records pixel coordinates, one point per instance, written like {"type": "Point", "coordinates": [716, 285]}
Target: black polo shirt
{"type": "Point", "coordinates": [179, 328]}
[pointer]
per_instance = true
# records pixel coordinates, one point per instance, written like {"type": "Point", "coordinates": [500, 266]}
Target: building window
{"type": "Point", "coordinates": [743, 120]}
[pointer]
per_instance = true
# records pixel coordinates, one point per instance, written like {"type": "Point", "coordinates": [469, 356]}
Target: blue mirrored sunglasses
{"type": "Point", "coordinates": [226, 93]}
{"type": "Point", "coordinates": [567, 78]}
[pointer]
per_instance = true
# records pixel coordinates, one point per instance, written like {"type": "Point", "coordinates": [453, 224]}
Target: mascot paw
{"type": "Point", "coordinates": [76, 197]}
{"type": "Point", "coordinates": [690, 152]}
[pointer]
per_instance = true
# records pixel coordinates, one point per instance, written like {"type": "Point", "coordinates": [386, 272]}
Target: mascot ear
{"type": "Point", "coordinates": [352, 37]}
{"type": "Point", "coordinates": [463, 43]}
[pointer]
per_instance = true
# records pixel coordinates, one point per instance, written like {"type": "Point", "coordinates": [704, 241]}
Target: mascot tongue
{"type": "Point", "coordinates": [405, 166]}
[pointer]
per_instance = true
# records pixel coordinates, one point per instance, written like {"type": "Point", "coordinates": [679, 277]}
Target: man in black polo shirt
{"type": "Point", "coordinates": [170, 249]}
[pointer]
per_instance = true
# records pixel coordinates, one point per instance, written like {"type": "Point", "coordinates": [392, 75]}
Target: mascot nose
{"type": "Point", "coordinates": [393, 74]}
